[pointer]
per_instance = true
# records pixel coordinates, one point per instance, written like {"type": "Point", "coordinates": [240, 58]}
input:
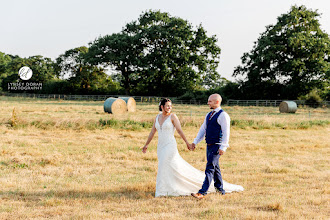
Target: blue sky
{"type": "Point", "coordinates": [49, 28]}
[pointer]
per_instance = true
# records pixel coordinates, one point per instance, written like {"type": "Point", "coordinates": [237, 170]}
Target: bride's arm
{"type": "Point", "coordinates": [177, 125]}
{"type": "Point", "coordinates": [151, 135]}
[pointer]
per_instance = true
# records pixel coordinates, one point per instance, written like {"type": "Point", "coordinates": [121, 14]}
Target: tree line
{"type": "Point", "coordinates": [162, 55]}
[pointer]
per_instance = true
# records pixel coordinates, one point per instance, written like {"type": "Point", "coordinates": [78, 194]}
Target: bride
{"type": "Point", "coordinates": [175, 176]}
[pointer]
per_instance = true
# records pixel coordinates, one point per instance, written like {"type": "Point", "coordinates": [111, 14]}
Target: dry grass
{"type": "Point", "coordinates": [70, 167]}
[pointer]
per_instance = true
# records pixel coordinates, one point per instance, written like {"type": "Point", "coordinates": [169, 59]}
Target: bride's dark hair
{"type": "Point", "coordinates": [163, 102]}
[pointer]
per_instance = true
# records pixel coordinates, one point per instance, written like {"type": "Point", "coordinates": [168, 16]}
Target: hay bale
{"type": "Point", "coordinates": [115, 106]}
{"type": "Point", "coordinates": [130, 102]}
{"type": "Point", "coordinates": [288, 107]}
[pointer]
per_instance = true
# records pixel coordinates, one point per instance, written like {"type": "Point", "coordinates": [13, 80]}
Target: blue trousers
{"type": "Point", "coordinates": [212, 171]}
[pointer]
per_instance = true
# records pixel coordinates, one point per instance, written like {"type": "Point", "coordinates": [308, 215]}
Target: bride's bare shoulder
{"type": "Point", "coordinates": [156, 117]}
{"type": "Point", "coordinates": [174, 116]}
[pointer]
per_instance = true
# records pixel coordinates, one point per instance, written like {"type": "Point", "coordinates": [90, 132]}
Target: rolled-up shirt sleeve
{"type": "Point", "coordinates": [201, 134]}
{"type": "Point", "coordinates": [224, 122]}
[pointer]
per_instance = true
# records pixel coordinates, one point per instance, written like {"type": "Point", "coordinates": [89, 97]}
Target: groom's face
{"type": "Point", "coordinates": [212, 102]}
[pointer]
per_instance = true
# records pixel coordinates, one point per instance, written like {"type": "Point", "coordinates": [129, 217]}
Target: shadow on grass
{"type": "Point", "coordinates": [123, 192]}
{"type": "Point", "coordinates": [275, 207]}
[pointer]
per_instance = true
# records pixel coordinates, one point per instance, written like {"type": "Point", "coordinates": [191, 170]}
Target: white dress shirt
{"type": "Point", "coordinates": [224, 121]}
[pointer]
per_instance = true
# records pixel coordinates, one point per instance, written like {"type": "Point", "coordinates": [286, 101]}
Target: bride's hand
{"type": "Point", "coordinates": [144, 149]}
{"type": "Point", "coordinates": [190, 147]}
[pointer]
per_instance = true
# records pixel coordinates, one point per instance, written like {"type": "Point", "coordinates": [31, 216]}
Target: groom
{"type": "Point", "coordinates": [216, 129]}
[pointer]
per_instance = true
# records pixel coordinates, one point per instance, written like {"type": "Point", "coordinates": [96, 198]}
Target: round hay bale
{"type": "Point", "coordinates": [288, 107]}
{"type": "Point", "coordinates": [115, 106]}
{"type": "Point", "coordinates": [130, 102]}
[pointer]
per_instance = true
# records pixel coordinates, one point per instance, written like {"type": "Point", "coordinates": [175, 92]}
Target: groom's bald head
{"type": "Point", "coordinates": [216, 97]}
{"type": "Point", "coordinates": [214, 101]}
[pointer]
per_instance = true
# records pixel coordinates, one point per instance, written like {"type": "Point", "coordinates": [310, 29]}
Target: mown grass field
{"type": "Point", "coordinates": [70, 160]}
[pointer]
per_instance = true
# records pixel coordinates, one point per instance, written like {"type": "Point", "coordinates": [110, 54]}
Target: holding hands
{"type": "Point", "coordinates": [188, 146]}
{"type": "Point", "coordinates": [191, 146]}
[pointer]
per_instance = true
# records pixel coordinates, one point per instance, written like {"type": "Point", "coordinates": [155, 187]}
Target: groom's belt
{"type": "Point", "coordinates": [213, 144]}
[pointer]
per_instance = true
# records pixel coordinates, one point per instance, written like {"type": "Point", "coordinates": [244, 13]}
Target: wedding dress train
{"type": "Point", "coordinates": [175, 176]}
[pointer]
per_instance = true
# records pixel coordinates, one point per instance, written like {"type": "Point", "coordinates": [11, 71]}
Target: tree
{"type": "Point", "coordinates": [69, 64]}
{"type": "Point", "coordinates": [4, 61]}
{"type": "Point", "coordinates": [42, 68]}
{"type": "Point", "coordinates": [159, 54]}
{"type": "Point", "coordinates": [290, 58]}
{"type": "Point", "coordinates": [121, 53]}
{"type": "Point", "coordinates": [83, 77]}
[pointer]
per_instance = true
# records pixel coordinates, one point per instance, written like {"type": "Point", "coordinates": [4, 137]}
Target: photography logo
{"type": "Point", "coordinates": [25, 73]}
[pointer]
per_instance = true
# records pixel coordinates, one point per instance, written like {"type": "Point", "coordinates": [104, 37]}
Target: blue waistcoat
{"type": "Point", "coordinates": [213, 129]}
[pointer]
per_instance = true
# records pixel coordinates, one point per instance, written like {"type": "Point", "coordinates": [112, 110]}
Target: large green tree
{"type": "Point", "coordinates": [121, 53]}
{"type": "Point", "coordinates": [82, 77]}
{"type": "Point", "coordinates": [159, 54]}
{"type": "Point", "coordinates": [290, 58]}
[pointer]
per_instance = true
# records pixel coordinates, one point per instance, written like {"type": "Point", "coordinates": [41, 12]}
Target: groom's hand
{"type": "Point", "coordinates": [221, 152]}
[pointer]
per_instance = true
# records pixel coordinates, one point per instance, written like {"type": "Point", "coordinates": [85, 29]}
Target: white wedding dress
{"type": "Point", "coordinates": [175, 176]}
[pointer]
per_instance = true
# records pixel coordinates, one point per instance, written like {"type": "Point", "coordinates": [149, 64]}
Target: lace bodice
{"type": "Point", "coordinates": [165, 131]}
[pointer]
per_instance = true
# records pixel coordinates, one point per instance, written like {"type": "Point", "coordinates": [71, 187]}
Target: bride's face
{"type": "Point", "coordinates": [167, 107]}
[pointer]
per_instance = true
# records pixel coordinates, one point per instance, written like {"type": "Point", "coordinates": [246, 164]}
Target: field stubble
{"type": "Point", "coordinates": [70, 160]}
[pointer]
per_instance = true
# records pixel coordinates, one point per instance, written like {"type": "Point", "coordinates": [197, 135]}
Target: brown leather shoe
{"type": "Point", "coordinates": [198, 195]}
